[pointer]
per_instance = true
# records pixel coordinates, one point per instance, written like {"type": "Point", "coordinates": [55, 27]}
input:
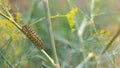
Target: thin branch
{"type": "Point", "coordinates": [43, 18]}
{"type": "Point", "coordinates": [51, 32]}
{"type": "Point", "coordinates": [110, 43]}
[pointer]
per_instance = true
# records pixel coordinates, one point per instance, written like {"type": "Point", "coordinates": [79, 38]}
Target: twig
{"type": "Point", "coordinates": [112, 40]}
{"type": "Point", "coordinates": [51, 32]}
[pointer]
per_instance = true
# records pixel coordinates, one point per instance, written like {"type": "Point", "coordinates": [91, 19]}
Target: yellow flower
{"type": "Point", "coordinates": [14, 36]}
{"type": "Point", "coordinates": [91, 21]}
{"type": "Point", "coordinates": [73, 30]}
{"type": "Point", "coordinates": [70, 17]}
{"type": "Point", "coordinates": [104, 33]}
{"type": "Point", "coordinates": [8, 25]}
{"type": "Point", "coordinates": [7, 30]}
{"type": "Point", "coordinates": [18, 16]}
{"type": "Point", "coordinates": [5, 3]}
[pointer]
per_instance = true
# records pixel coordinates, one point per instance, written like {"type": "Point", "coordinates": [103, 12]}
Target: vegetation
{"type": "Point", "coordinates": [59, 34]}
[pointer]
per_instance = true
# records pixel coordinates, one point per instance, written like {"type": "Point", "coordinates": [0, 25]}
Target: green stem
{"type": "Point", "coordinates": [92, 7]}
{"type": "Point", "coordinates": [92, 22]}
{"type": "Point", "coordinates": [51, 60]}
{"type": "Point", "coordinates": [43, 18]}
{"type": "Point", "coordinates": [8, 62]}
{"type": "Point", "coordinates": [20, 28]}
{"type": "Point", "coordinates": [11, 19]}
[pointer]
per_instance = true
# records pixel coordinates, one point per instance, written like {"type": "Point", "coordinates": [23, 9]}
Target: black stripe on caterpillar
{"type": "Point", "coordinates": [32, 36]}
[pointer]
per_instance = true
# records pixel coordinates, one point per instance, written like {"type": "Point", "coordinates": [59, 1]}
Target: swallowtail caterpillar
{"type": "Point", "coordinates": [32, 36]}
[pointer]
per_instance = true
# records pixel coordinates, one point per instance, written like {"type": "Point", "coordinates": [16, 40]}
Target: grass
{"type": "Point", "coordinates": [76, 34]}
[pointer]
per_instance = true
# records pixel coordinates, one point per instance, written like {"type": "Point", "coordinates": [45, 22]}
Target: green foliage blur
{"type": "Point", "coordinates": [82, 29]}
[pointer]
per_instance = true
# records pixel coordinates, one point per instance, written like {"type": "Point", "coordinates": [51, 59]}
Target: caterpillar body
{"type": "Point", "coordinates": [32, 36]}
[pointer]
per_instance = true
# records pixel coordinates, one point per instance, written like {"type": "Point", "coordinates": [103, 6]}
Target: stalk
{"type": "Point", "coordinates": [51, 33]}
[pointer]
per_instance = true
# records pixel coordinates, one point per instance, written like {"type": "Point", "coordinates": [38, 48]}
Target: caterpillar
{"type": "Point", "coordinates": [32, 36]}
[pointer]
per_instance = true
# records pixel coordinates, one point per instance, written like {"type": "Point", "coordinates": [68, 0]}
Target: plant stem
{"type": "Point", "coordinates": [92, 8]}
{"type": "Point", "coordinates": [51, 32]}
{"type": "Point", "coordinates": [51, 60]}
{"type": "Point", "coordinates": [85, 61]}
{"type": "Point", "coordinates": [112, 40]}
{"type": "Point", "coordinates": [20, 28]}
{"type": "Point", "coordinates": [43, 18]}
{"type": "Point", "coordinates": [12, 20]}
{"type": "Point", "coordinates": [8, 62]}
{"type": "Point", "coordinates": [92, 22]}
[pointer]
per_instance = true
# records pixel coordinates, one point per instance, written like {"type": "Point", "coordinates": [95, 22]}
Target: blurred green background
{"type": "Point", "coordinates": [94, 25]}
